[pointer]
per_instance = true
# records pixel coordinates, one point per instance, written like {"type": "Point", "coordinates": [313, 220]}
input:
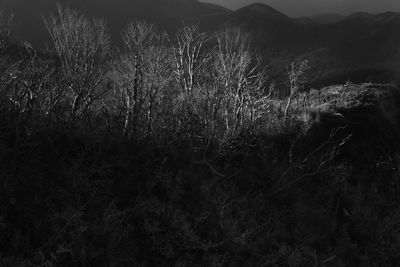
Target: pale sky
{"type": "Point", "coordinates": [311, 7]}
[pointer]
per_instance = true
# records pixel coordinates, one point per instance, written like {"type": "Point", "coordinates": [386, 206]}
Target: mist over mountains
{"type": "Point", "coordinates": [358, 47]}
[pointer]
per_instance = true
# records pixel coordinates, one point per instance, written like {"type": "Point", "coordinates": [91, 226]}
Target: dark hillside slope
{"type": "Point", "coordinates": [70, 199]}
{"type": "Point", "coordinates": [273, 30]}
{"type": "Point", "coordinates": [168, 14]}
{"type": "Point", "coordinates": [369, 112]}
{"type": "Point", "coordinates": [362, 47]}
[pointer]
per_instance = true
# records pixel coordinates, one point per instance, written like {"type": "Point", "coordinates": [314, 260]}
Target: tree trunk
{"type": "Point", "coordinates": [289, 102]}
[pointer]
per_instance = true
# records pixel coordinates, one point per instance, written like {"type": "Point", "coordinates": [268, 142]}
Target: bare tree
{"type": "Point", "coordinates": [240, 80]}
{"type": "Point", "coordinates": [142, 71]}
{"type": "Point", "coordinates": [296, 73]}
{"type": "Point", "coordinates": [82, 46]}
{"type": "Point", "coordinates": [189, 57]}
{"type": "Point", "coordinates": [158, 69]}
{"type": "Point", "coordinates": [28, 86]}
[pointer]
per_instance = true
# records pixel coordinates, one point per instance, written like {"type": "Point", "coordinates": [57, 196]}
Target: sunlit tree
{"type": "Point", "coordinates": [189, 57]}
{"type": "Point", "coordinates": [82, 46]}
{"type": "Point", "coordinates": [296, 74]}
{"type": "Point", "coordinates": [142, 71]}
{"type": "Point", "coordinates": [240, 80]}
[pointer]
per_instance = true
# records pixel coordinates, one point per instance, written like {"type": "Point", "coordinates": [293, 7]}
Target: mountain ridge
{"type": "Point", "coordinates": [169, 14]}
{"type": "Point", "coordinates": [327, 18]}
{"type": "Point", "coordinates": [354, 44]}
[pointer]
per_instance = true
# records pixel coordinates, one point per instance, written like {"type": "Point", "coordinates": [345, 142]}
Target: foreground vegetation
{"type": "Point", "coordinates": [181, 152]}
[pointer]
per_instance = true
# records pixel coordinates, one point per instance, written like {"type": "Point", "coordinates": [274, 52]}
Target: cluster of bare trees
{"type": "Point", "coordinates": [192, 83]}
{"type": "Point", "coordinates": [30, 89]}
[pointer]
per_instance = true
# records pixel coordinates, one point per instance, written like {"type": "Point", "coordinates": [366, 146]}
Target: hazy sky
{"type": "Point", "coordinates": [311, 7]}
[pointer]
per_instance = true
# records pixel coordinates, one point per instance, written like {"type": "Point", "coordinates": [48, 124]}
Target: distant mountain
{"type": "Point", "coordinates": [262, 10]}
{"type": "Point", "coordinates": [169, 14]}
{"type": "Point", "coordinates": [329, 18]}
{"type": "Point", "coordinates": [273, 30]}
{"type": "Point", "coordinates": [360, 47]}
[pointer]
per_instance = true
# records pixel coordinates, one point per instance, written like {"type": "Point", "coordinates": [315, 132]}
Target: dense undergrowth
{"type": "Point", "coordinates": [151, 158]}
{"type": "Point", "coordinates": [69, 199]}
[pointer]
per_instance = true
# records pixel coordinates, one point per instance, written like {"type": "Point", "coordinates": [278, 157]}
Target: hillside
{"type": "Point", "coordinates": [275, 31]}
{"type": "Point", "coordinates": [370, 112]}
{"type": "Point", "coordinates": [299, 198]}
{"type": "Point", "coordinates": [330, 18]}
{"type": "Point", "coordinates": [169, 14]}
{"type": "Point", "coordinates": [362, 47]}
